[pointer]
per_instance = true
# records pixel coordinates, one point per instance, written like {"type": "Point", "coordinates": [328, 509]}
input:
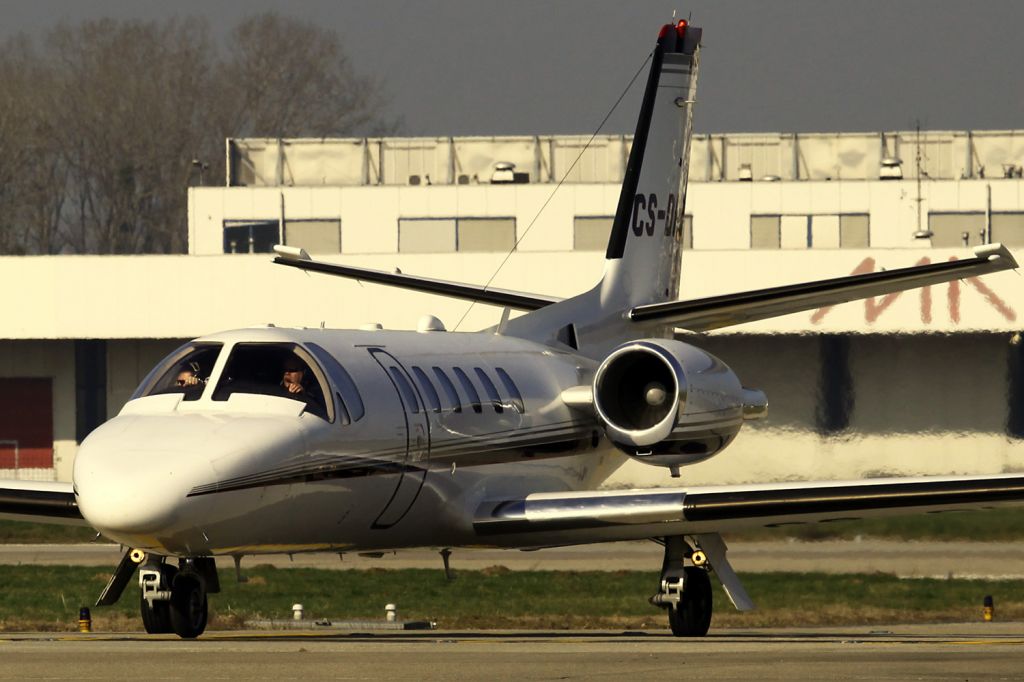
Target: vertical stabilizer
{"type": "Point", "coordinates": [643, 250]}
{"type": "Point", "coordinates": [642, 263]}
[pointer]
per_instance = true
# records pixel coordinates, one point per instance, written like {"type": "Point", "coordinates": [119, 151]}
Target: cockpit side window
{"type": "Point", "coordinates": [185, 371]}
{"type": "Point", "coordinates": [348, 392]}
{"type": "Point", "coordinates": [276, 369]}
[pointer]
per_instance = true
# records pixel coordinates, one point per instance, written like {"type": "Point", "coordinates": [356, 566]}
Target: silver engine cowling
{"type": "Point", "coordinates": [667, 403]}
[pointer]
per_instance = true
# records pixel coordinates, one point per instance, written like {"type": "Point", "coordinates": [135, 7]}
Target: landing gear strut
{"type": "Point", "coordinates": [155, 579]}
{"type": "Point", "coordinates": [684, 591]}
{"type": "Point", "coordinates": [175, 599]}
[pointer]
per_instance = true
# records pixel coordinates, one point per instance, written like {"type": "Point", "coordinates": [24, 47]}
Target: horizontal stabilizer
{"type": "Point", "coordinates": [298, 258]}
{"type": "Point", "coordinates": [730, 309]}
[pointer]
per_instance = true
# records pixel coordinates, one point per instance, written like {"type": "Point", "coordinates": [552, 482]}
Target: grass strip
{"type": "Point", "coordinates": [48, 598]}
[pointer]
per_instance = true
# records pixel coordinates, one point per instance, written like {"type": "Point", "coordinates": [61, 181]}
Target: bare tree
{"type": "Point", "coordinates": [101, 121]}
{"type": "Point", "coordinates": [286, 78]}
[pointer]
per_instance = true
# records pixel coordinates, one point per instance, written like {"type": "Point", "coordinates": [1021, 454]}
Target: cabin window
{"type": "Point", "coordinates": [348, 395]}
{"type": "Point", "coordinates": [512, 389]}
{"type": "Point", "coordinates": [428, 389]}
{"type": "Point", "coordinates": [490, 389]}
{"type": "Point", "coordinates": [469, 388]}
{"type": "Point", "coordinates": [406, 389]}
{"type": "Point", "coordinates": [449, 389]}
{"type": "Point", "coordinates": [185, 371]}
{"type": "Point", "coordinates": [276, 369]}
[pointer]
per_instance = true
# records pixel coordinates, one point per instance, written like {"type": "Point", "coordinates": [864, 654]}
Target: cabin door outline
{"type": "Point", "coordinates": [416, 461]}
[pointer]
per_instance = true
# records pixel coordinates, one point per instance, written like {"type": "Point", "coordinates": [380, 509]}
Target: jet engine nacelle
{"type": "Point", "coordinates": [667, 403]}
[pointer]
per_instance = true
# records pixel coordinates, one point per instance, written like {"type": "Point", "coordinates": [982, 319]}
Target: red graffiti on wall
{"type": "Point", "coordinates": [874, 307]}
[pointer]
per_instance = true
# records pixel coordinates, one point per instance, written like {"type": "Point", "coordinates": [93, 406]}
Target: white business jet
{"type": "Point", "coordinates": [277, 440]}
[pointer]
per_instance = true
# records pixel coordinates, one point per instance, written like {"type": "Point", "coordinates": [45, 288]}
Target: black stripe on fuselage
{"type": "Point", "coordinates": [853, 498]}
{"type": "Point", "coordinates": [548, 441]}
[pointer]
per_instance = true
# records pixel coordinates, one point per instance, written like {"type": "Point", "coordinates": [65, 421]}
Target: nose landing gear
{"type": "Point", "coordinates": [175, 599]}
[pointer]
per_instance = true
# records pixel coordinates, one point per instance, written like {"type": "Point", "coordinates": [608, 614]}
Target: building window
{"type": "Point", "coordinates": [315, 236]}
{"type": "Point", "coordinates": [795, 232]}
{"type": "Point", "coordinates": [764, 231]}
{"type": "Point", "coordinates": [1008, 229]}
{"type": "Point", "coordinates": [591, 233]}
{"type": "Point", "coordinates": [485, 234]}
{"type": "Point", "coordinates": [854, 231]}
{"type": "Point", "coordinates": [824, 232]}
{"type": "Point", "coordinates": [845, 231]}
{"type": "Point", "coordinates": [954, 230]}
{"type": "Point", "coordinates": [426, 235]}
{"type": "Point", "coordinates": [441, 235]}
{"type": "Point", "coordinates": [251, 236]}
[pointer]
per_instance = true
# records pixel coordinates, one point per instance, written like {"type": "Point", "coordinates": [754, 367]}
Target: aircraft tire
{"type": "Point", "coordinates": [188, 607]}
{"type": "Point", "coordinates": [692, 617]}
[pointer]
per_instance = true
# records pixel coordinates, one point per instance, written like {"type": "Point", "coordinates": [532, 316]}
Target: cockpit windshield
{"type": "Point", "coordinates": [277, 369]}
{"type": "Point", "coordinates": [186, 371]}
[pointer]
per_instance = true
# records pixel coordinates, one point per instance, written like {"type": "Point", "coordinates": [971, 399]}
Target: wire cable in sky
{"type": "Point", "coordinates": [558, 186]}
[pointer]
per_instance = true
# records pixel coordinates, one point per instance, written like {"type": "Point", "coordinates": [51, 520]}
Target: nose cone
{"type": "Point", "coordinates": [125, 490]}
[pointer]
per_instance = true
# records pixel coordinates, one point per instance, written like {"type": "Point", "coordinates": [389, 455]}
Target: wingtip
{"type": "Point", "coordinates": [291, 252]}
{"type": "Point", "coordinates": [993, 252]}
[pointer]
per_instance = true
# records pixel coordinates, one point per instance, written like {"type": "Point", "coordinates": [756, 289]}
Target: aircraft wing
{"type": "Point", "coordinates": [298, 258]}
{"type": "Point", "coordinates": [602, 516]}
{"type": "Point", "coordinates": [730, 309]}
{"type": "Point", "coordinates": [40, 502]}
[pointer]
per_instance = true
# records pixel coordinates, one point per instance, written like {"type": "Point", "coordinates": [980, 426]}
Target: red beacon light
{"type": "Point", "coordinates": [679, 29]}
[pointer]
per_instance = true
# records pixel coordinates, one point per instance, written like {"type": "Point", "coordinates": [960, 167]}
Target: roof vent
{"type": "Point", "coordinates": [892, 169]}
{"type": "Point", "coordinates": [504, 171]}
{"type": "Point", "coordinates": [746, 173]}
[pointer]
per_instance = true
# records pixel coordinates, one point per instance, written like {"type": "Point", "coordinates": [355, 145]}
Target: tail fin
{"type": "Point", "coordinates": [643, 250]}
{"type": "Point", "coordinates": [642, 264]}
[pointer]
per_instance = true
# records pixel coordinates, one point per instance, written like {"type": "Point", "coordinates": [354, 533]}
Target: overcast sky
{"type": "Point", "coordinates": [492, 67]}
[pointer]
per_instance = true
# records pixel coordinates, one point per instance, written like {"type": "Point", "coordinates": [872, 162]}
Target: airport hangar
{"type": "Point", "coordinates": [924, 382]}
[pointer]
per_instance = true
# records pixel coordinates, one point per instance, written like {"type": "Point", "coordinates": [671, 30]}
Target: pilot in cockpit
{"type": "Point", "coordinates": [189, 376]}
{"type": "Point", "coordinates": [293, 375]}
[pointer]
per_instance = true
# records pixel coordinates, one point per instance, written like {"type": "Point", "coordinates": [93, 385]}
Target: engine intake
{"type": "Point", "coordinates": [639, 391]}
{"type": "Point", "coordinates": [667, 403]}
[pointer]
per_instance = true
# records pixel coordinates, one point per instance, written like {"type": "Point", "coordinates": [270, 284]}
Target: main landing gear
{"type": "Point", "coordinates": [685, 591]}
{"type": "Point", "coordinates": [174, 599]}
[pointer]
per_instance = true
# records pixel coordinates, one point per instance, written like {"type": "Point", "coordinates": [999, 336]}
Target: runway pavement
{"type": "Point", "coordinates": [909, 559]}
{"type": "Point", "coordinates": [992, 651]}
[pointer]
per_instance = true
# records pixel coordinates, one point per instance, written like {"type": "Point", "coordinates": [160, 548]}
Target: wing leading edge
{"type": "Point", "coordinates": [715, 312]}
{"type": "Point", "coordinates": [599, 516]}
{"type": "Point", "coordinates": [298, 258]}
{"type": "Point", "coordinates": [40, 502]}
